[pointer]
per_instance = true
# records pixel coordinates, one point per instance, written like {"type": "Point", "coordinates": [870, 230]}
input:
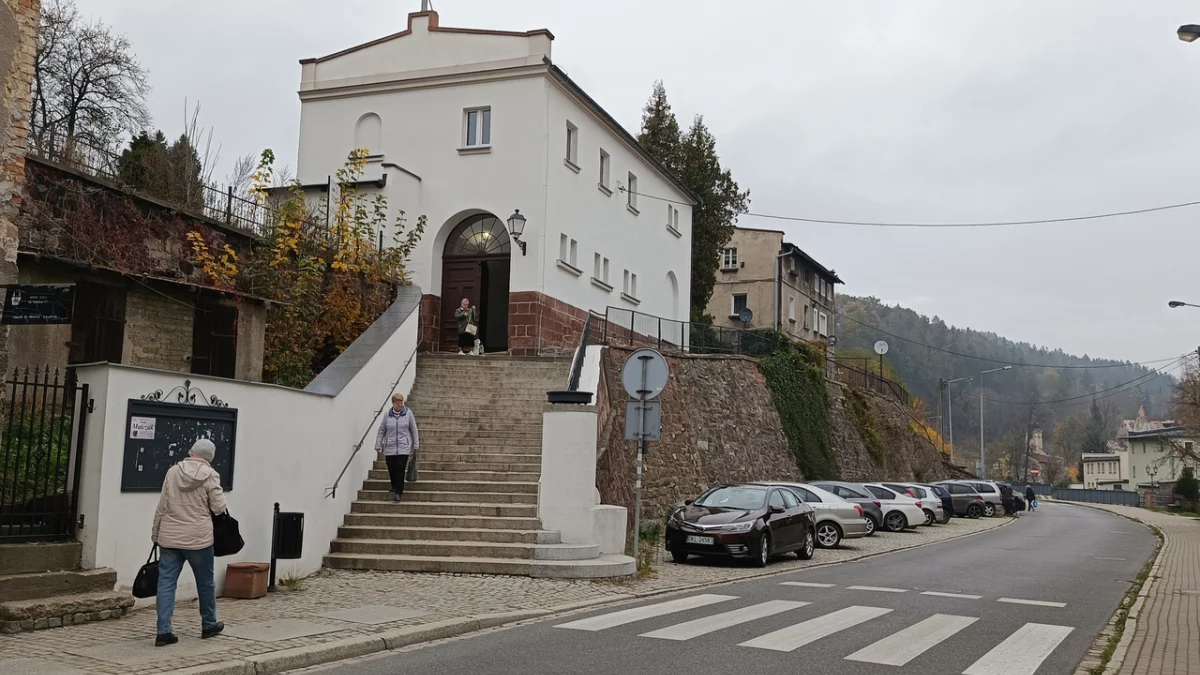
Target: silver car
{"type": "Point", "coordinates": [931, 503]}
{"type": "Point", "coordinates": [993, 502]}
{"type": "Point", "coordinates": [837, 519]}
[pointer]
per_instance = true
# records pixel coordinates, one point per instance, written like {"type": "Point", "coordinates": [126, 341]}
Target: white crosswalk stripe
{"type": "Point", "coordinates": [806, 584]}
{"type": "Point", "coordinates": [646, 612]}
{"type": "Point", "coordinates": [1022, 652]}
{"type": "Point", "coordinates": [793, 637]}
{"type": "Point", "coordinates": [899, 648]}
{"type": "Point", "coordinates": [716, 622]}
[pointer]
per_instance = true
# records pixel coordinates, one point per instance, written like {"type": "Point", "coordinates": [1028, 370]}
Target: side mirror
{"type": "Point", "coordinates": [775, 508]}
{"type": "Point", "coordinates": [687, 502]}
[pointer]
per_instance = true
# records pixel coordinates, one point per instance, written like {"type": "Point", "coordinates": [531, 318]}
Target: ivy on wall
{"type": "Point", "coordinates": [860, 413]}
{"type": "Point", "coordinates": [795, 376]}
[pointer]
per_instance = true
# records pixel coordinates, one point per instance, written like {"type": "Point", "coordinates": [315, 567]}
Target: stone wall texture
{"type": "Point", "coordinates": [158, 329]}
{"type": "Point", "coordinates": [910, 455]}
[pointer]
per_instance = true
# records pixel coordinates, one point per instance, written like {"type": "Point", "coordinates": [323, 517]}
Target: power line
{"type": "Point", "coordinates": [1112, 391]}
{"type": "Point", "coordinates": [1001, 223]}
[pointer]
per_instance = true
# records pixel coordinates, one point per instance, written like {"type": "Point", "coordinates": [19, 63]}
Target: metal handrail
{"type": "Point", "coordinates": [332, 490]}
{"type": "Point", "coordinates": [580, 354]}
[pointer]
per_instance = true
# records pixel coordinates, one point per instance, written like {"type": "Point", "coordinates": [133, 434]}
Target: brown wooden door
{"type": "Point", "coordinates": [214, 337]}
{"type": "Point", "coordinates": [460, 279]}
{"type": "Point", "coordinates": [98, 326]}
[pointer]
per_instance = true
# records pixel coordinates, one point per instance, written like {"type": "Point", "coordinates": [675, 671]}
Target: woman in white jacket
{"type": "Point", "coordinates": [397, 439]}
{"type": "Point", "coordinates": [183, 531]}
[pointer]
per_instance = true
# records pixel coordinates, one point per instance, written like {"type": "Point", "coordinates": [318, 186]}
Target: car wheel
{"type": "Point", "coordinates": [764, 550]}
{"type": "Point", "coordinates": [810, 545]}
{"type": "Point", "coordinates": [929, 518]}
{"type": "Point", "coordinates": [871, 526]}
{"type": "Point", "coordinates": [828, 535]}
{"type": "Point", "coordinates": [989, 509]}
{"type": "Point", "coordinates": [974, 511]}
{"type": "Point", "coordinates": [945, 517]}
{"type": "Point", "coordinates": [679, 556]}
{"type": "Point", "coordinates": [895, 522]}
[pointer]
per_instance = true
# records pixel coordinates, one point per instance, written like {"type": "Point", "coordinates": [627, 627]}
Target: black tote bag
{"type": "Point", "coordinates": [410, 474]}
{"type": "Point", "coordinates": [227, 538]}
{"type": "Point", "coordinates": [145, 585]}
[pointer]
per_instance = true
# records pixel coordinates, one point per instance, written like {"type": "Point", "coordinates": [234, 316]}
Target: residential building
{"type": "Point", "coordinates": [1103, 471]}
{"type": "Point", "coordinates": [782, 286]}
{"type": "Point", "coordinates": [467, 127]}
{"type": "Point", "coordinates": [1156, 455]}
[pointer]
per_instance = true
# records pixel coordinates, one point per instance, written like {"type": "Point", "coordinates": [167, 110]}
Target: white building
{"type": "Point", "coordinates": [466, 126]}
{"type": "Point", "coordinates": [1105, 471]}
{"type": "Point", "coordinates": [1157, 456]}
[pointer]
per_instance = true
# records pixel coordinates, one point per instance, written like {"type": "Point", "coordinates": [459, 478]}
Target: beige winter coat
{"type": "Point", "coordinates": [191, 493]}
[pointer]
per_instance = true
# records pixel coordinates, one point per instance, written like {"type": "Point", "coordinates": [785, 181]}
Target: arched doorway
{"type": "Point", "coordinates": [475, 266]}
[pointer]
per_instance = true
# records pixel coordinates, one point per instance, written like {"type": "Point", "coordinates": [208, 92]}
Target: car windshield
{"type": "Point", "coordinates": [745, 498]}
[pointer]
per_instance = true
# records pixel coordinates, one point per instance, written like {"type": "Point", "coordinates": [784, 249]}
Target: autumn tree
{"type": "Point", "coordinates": [88, 86]}
{"type": "Point", "coordinates": [692, 156]}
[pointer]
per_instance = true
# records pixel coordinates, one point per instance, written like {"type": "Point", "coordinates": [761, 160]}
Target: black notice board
{"type": "Point", "coordinates": [157, 435]}
{"type": "Point", "coordinates": [38, 305]}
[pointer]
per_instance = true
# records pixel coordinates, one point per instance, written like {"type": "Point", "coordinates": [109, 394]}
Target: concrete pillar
{"type": "Point", "coordinates": [567, 488]}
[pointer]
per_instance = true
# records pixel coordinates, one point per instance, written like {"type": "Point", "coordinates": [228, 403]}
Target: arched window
{"type": "Point", "coordinates": [476, 236]}
{"type": "Point", "coordinates": [368, 134]}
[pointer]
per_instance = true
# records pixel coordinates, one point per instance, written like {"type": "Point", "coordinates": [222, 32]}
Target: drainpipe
{"type": "Point", "coordinates": [779, 288]}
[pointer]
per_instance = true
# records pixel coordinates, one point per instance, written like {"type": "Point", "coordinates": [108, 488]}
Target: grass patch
{"type": "Point", "coordinates": [291, 582]}
{"type": "Point", "coordinates": [649, 540]}
{"type": "Point", "coordinates": [860, 413]}
{"type": "Point", "coordinates": [1126, 604]}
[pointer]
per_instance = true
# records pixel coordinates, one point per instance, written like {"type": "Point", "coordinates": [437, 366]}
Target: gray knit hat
{"type": "Point", "coordinates": [204, 449]}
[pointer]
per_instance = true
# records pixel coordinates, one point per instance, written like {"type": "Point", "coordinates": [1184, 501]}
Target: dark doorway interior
{"type": "Point", "coordinates": [214, 337]}
{"type": "Point", "coordinates": [475, 266]}
{"type": "Point", "coordinates": [98, 325]}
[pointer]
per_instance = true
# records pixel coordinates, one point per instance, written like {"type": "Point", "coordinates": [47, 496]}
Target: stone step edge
{"type": "Point", "coordinates": [63, 610]}
{"type": "Point", "coordinates": [420, 528]}
{"type": "Point", "coordinates": [481, 544]}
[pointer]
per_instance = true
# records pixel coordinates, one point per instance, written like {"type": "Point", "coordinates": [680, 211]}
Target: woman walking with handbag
{"type": "Point", "coordinates": [467, 318]}
{"type": "Point", "coordinates": [183, 531]}
{"type": "Point", "coordinates": [397, 439]}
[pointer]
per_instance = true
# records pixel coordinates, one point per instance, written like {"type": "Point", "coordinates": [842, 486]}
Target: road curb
{"type": "Point", "coordinates": [399, 638]}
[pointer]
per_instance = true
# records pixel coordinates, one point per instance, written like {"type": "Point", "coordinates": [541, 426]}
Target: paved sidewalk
{"type": "Point", "coordinates": [338, 614]}
{"type": "Point", "coordinates": [1165, 635]}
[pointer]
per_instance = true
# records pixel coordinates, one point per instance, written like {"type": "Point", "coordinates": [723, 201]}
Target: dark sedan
{"type": "Point", "coordinates": [748, 521]}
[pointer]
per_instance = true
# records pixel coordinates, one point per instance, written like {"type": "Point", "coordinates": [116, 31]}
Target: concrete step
{"type": "Point", "coordinates": [441, 461]}
{"type": "Point", "coordinates": [467, 509]}
{"type": "Point", "coordinates": [60, 610]}
{"type": "Point", "coordinates": [437, 475]}
{"type": "Point", "coordinates": [471, 388]}
{"type": "Point", "coordinates": [14, 587]}
{"type": "Point", "coordinates": [533, 469]}
{"type": "Point", "coordinates": [422, 399]}
{"type": "Point", "coordinates": [425, 485]}
{"type": "Point", "coordinates": [459, 534]}
{"type": "Point", "coordinates": [481, 426]}
{"type": "Point", "coordinates": [451, 419]}
{"type": "Point", "coordinates": [465, 549]}
{"type": "Point", "coordinates": [488, 446]}
{"type": "Point", "coordinates": [441, 522]}
{"type": "Point", "coordinates": [459, 406]}
{"type": "Point", "coordinates": [40, 557]}
{"type": "Point", "coordinates": [451, 497]}
{"type": "Point", "coordinates": [599, 568]}
{"type": "Point", "coordinates": [480, 440]}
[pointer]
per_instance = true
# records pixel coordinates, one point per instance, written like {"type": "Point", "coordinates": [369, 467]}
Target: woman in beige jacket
{"type": "Point", "coordinates": [183, 531]}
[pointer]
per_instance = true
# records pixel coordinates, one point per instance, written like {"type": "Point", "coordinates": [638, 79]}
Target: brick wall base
{"type": "Point", "coordinates": [537, 324]}
{"type": "Point", "coordinates": [430, 318]}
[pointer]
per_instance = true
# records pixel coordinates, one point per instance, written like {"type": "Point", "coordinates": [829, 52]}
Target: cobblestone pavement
{"type": "Point", "coordinates": [1166, 637]}
{"type": "Point", "coordinates": [445, 596]}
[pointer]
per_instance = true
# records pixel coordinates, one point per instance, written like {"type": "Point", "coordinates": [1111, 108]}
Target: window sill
{"type": "Point", "coordinates": [677, 233]}
{"type": "Point", "coordinates": [630, 299]}
{"type": "Point", "coordinates": [792, 321]}
{"type": "Point", "coordinates": [604, 188]}
{"type": "Point", "coordinates": [600, 284]}
{"type": "Point", "coordinates": [571, 165]}
{"type": "Point", "coordinates": [569, 268]}
{"type": "Point", "coordinates": [729, 269]}
{"type": "Point", "coordinates": [475, 150]}
{"type": "Point", "coordinates": [633, 209]}
{"type": "Point", "coordinates": [735, 317]}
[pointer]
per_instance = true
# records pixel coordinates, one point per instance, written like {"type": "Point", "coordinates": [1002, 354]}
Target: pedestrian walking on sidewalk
{"type": "Point", "coordinates": [398, 440]}
{"type": "Point", "coordinates": [1030, 496]}
{"type": "Point", "coordinates": [467, 318]}
{"type": "Point", "coordinates": [183, 531]}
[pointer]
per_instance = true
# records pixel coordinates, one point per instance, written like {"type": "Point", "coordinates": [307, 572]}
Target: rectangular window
{"type": "Point", "coordinates": [564, 247]}
{"type": "Point", "coordinates": [823, 329]}
{"type": "Point", "coordinates": [604, 164]}
{"type": "Point", "coordinates": [632, 192]}
{"type": "Point", "coordinates": [633, 285]}
{"type": "Point", "coordinates": [605, 277]}
{"type": "Point", "coordinates": [739, 303]}
{"type": "Point", "coordinates": [574, 259]}
{"type": "Point", "coordinates": [729, 259]}
{"type": "Point", "coordinates": [675, 221]}
{"type": "Point", "coordinates": [596, 268]}
{"type": "Point", "coordinates": [572, 143]}
{"type": "Point", "coordinates": [477, 127]}
{"type": "Point", "coordinates": [625, 283]}
{"type": "Point", "coordinates": [792, 308]}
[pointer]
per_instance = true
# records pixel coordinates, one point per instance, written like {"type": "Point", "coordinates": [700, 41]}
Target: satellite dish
{"type": "Point", "coordinates": [881, 348]}
{"type": "Point", "coordinates": [745, 315]}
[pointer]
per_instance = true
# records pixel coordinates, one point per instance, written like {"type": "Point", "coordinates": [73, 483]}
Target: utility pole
{"type": "Point", "coordinates": [941, 415]}
{"type": "Point", "coordinates": [982, 458]}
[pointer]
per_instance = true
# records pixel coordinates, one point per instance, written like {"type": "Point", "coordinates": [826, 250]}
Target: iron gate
{"type": "Point", "coordinates": [41, 423]}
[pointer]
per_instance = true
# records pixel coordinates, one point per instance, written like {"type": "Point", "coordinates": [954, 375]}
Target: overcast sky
{"type": "Point", "coordinates": [922, 110]}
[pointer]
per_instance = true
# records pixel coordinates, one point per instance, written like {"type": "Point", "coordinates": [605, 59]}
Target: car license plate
{"type": "Point", "coordinates": [696, 539]}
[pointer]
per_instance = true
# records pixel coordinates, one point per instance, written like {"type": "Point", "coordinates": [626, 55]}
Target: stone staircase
{"type": "Point", "coordinates": [474, 508]}
{"type": "Point", "coordinates": [41, 586]}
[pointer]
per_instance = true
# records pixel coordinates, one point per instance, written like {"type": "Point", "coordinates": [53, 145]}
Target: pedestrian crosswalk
{"type": "Point", "coordinates": [1020, 653]}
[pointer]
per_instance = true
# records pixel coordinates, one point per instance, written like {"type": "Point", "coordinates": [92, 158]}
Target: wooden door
{"type": "Point", "coordinates": [214, 337]}
{"type": "Point", "coordinates": [98, 326]}
{"type": "Point", "coordinates": [460, 279]}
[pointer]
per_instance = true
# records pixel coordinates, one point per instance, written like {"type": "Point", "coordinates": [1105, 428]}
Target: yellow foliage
{"type": "Point", "coordinates": [223, 271]}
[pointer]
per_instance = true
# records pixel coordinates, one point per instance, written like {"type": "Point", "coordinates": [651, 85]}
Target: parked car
{"type": "Point", "coordinates": [902, 511]}
{"type": "Point", "coordinates": [836, 518]}
{"type": "Point", "coordinates": [944, 495]}
{"type": "Point", "coordinates": [855, 493]}
{"type": "Point", "coordinates": [993, 501]}
{"type": "Point", "coordinates": [751, 520]}
{"type": "Point", "coordinates": [931, 503]}
{"type": "Point", "coordinates": [967, 502]}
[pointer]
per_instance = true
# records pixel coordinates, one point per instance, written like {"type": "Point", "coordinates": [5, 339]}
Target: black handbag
{"type": "Point", "coordinates": [227, 538]}
{"type": "Point", "coordinates": [145, 585]}
{"type": "Point", "coordinates": [410, 474]}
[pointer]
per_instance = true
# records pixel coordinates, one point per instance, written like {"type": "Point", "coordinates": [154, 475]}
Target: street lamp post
{"type": "Point", "coordinates": [1176, 304]}
{"type": "Point", "coordinates": [982, 458]}
{"type": "Point", "coordinates": [950, 412]}
{"type": "Point", "coordinates": [1188, 33]}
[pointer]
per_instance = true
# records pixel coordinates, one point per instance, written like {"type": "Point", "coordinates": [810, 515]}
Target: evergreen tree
{"type": "Point", "coordinates": [660, 130]}
{"type": "Point", "coordinates": [1187, 486]}
{"type": "Point", "coordinates": [170, 172]}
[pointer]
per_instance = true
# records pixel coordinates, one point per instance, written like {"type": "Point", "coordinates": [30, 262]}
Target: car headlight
{"type": "Point", "coordinates": [736, 527]}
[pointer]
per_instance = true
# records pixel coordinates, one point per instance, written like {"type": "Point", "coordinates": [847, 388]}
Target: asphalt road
{"type": "Point", "coordinates": [1078, 560]}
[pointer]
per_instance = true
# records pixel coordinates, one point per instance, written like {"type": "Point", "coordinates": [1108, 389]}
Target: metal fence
{"type": "Point", "coordinates": [39, 465]}
{"type": "Point", "coordinates": [866, 381]}
{"type": "Point", "coordinates": [1122, 497]}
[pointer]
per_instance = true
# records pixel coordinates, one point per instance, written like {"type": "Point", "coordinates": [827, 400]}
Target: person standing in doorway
{"type": "Point", "coordinates": [1030, 496]}
{"type": "Point", "coordinates": [397, 439]}
{"type": "Point", "coordinates": [183, 531]}
{"type": "Point", "coordinates": [468, 326]}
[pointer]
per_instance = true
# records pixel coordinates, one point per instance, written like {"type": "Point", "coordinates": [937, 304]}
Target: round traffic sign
{"type": "Point", "coordinates": [644, 373]}
{"type": "Point", "coordinates": [881, 348]}
{"type": "Point", "coordinates": [1034, 471]}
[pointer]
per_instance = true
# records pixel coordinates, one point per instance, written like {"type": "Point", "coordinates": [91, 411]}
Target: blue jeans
{"type": "Point", "coordinates": [170, 564]}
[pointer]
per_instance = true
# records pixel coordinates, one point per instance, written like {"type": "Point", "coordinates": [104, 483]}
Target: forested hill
{"type": "Point", "coordinates": [1057, 399]}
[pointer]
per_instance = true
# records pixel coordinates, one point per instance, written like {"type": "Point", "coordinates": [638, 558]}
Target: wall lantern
{"type": "Point", "coordinates": [516, 227]}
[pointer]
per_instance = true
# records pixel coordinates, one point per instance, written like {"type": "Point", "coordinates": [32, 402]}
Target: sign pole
{"type": "Point", "coordinates": [637, 502]}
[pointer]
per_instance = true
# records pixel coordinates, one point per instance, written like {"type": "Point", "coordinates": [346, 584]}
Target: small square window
{"type": "Point", "coordinates": [729, 259]}
{"type": "Point", "coordinates": [605, 161]}
{"type": "Point", "coordinates": [477, 127]}
{"type": "Point", "coordinates": [632, 192]}
{"type": "Point", "coordinates": [572, 143]}
{"type": "Point", "coordinates": [739, 303]}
